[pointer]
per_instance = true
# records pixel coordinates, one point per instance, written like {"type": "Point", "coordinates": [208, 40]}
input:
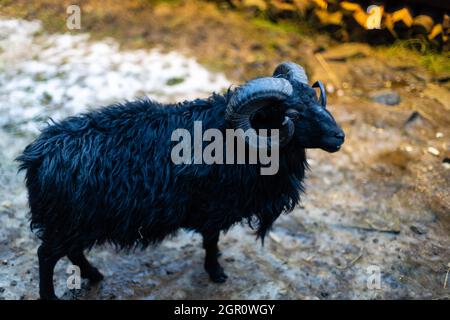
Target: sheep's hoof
{"type": "Point", "coordinates": [50, 297]}
{"type": "Point", "coordinates": [219, 278]}
{"type": "Point", "coordinates": [94, 275]}
{"type": "Point", "coordinates": [217, 275]}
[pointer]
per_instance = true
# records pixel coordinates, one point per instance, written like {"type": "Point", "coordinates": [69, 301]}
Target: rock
{"type": "Point", "coordinates": [417, 230]}
{"type": "Point", "coordinates": [408, 149]}
{"type": "Point", "coordinates": [389, 98]}
{"type": "Point", "coordinates": [433, 151]}
{"type": "Point", "coordinates": [169, 272]}
{"type": "Point", "coordinates": [446, 163]}
{"type": "Point", "coordinates": [7, 204]}
{"type": "Point", "coordinates": [274, 237]}
{"type": "Point", "coordinates": [413, 117]}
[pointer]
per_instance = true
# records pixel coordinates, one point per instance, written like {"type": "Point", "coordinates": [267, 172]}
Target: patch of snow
{"type": "Point", "coordinates": [58, 75]}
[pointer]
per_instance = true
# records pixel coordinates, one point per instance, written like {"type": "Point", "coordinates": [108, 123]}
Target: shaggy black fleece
{"type": "Point", "coordinates": [107, 176]}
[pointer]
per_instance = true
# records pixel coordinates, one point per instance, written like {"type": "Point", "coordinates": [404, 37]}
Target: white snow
{"type": "Point", "coordinates": [58, 75]}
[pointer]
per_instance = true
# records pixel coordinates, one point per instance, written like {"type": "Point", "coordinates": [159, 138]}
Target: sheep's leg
{"type": "Point", "coordinates": [212, 266]}
{"type": "Point", "coordinates": [88, 271]}
{"type": "Point", "coordinates": [47, 262]}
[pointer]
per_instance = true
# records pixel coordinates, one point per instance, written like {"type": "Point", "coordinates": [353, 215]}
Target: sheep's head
{"type": "Point", "coordinates": [286, 102]}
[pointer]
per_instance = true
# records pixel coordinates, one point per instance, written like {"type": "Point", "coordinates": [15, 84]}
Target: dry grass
{"type": "Point", "coordinates": [418, 52]}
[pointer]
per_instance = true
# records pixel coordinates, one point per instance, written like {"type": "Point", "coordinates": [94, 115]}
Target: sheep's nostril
{"type": "Point", "coordinates": [340, 135]}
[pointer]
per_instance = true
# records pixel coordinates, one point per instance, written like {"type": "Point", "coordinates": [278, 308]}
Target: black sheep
{"type": "Point", "coordinates": [107, 176]}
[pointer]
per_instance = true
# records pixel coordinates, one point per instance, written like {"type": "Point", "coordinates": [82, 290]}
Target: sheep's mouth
{"type": "Point", "coordinates": [332, 149]}
{"type": "Point", "coordinates": [332, 144]}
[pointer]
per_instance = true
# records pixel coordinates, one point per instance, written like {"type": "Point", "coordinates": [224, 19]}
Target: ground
{"type": "Point", "coordinates": [381, 203]}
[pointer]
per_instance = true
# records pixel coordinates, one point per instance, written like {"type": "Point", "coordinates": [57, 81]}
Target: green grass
{"type": "Point", "coordinates": [174, 81]}
{"type": "Point", "coordinates": [283, 26]}
{"type": "Point", "coordinates": [419, 51]}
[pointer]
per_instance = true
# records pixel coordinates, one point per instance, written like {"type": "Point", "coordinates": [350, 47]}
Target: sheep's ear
{"type": "Point", "coordinates": [323, 93]}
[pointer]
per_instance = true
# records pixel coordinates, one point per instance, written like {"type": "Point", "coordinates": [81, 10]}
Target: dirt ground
{"type": "Point", "coordinates": [382, 203]}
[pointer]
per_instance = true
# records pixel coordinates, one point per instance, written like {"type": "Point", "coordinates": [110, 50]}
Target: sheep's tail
{"type": "Point", "coordinates": [32, 157]}
{"type": "Point", "coordinates": [30, 161]}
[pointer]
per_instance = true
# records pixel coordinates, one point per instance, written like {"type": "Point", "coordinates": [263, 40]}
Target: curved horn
{"type": "Point", "coordinates": [292, 72]}
{"type": "Point", "coordinates": [250, 98]}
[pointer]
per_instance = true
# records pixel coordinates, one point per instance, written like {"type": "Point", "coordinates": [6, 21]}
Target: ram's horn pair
{"type": "Point", "coordinates": [263, 92]}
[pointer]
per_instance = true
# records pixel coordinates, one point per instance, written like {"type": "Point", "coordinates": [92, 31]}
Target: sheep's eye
{"type": "Point", "coordinates": [293, 114]}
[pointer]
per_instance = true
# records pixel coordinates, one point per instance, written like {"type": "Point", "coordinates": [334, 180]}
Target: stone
{"type": "Point", "coordinates": [433, 151]}
{"type": "Point", "coordinates": [389, 98]}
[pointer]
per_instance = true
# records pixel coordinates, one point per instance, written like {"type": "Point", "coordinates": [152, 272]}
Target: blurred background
{"type": "Point", "coordinates": [378, 208]}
